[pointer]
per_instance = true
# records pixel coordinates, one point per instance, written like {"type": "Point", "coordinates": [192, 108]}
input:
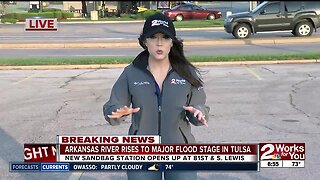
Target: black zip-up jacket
{"type": "Point", "coordinates": [160, 114]}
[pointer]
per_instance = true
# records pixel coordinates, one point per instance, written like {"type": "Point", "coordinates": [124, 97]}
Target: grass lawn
{"type": "Point", "coordinates": [125, 60]}
{"type": "Point", "coordinates": [198, 23]}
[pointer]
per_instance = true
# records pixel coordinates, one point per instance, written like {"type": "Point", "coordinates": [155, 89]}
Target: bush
{"type": "Point", "coordinates": [50, 14]}
{"type": "Point", "coordinates": [51, 10]}
{"type": "Point", "coordinates": [149, 13]}
{"type": "Point", "coordinates": [5, 20]}
{"type": "Point", "coordinates": [137, 16]}
{"type": "Point", "coordinates": [10, 16]}
{"type": "Point", "coordinates": [23, 16]}
{"type": "Point", "coordinates": [66, 15]}
{"type": "Point", "coordinates": [125, 15]}
{"type": "Point", "coordinates": [46, 14]}
{"type": "Point", "coordinates": [33, 11]}
{"type": "Point", "coordinates": [58, 14]}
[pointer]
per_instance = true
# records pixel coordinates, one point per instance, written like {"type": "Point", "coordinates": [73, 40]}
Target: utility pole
{"type": "Point", "coordinates": [40, 6]}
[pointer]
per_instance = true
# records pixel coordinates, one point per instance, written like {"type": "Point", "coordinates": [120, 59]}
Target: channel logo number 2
{"type": "Point", "coordinates": [268, 154]}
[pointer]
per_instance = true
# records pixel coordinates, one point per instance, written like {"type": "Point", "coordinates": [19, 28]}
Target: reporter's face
{"type": "Point", "coordinates": [159, 46]}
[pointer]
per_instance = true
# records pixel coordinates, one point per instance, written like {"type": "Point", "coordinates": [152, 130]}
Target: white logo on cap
{"type": "Point", "coordinates": [159, 22]}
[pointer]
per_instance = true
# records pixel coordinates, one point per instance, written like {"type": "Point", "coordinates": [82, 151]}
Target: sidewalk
{"type": "Point", "coordinates": [134, 43]}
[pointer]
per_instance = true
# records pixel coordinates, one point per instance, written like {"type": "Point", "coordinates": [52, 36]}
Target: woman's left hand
{"type": "Point", "coordinates": [197, 113]}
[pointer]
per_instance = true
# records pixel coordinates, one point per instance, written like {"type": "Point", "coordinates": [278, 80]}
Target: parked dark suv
{"type": "Point", "coordinates": [302, 17]}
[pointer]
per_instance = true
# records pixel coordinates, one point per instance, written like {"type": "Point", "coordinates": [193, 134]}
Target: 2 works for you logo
{"type": "Point", "coordinates": [282, 151]}
{"type": "Point", "coordinates": [39, 24]}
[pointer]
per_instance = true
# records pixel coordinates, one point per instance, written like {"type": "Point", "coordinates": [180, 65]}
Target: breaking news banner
{"type": "Point", "coordinates": [108, 139]}
{"type": "Point", "coordinates": [39, 24]}
{"type": "Point", "coordinates": [148, 149]}
{"type": "Point", "coordinates": [146, 153]}
{"type": "Point", "coordinates": [282, 155]}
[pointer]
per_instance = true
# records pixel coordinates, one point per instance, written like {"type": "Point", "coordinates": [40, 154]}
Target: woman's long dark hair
{"type": "Point", "coordinates": [182, 66]}
{"type": "Point", "coordinates": [180, 63]}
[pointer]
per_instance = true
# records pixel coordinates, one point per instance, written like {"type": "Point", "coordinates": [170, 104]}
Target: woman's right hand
{"type": "Point", "coordinates": [124, 111]}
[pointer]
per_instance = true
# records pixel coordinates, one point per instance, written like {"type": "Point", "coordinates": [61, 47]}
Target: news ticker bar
{"type": "Point", "coordinates": [146, 149]}
{"type": "Point", "coordinates": [66, 167]}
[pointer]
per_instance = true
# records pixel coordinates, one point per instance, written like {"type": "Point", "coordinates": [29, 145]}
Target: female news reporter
{"type": "Point", "coordinates": [165, 91]}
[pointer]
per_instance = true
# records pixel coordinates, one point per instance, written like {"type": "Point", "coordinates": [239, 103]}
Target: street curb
{"type": "Point", "coordinates": [124, 44]}
{"type": "Point", "coordinates": [93, 22]}
{"type": "Point", "coordinates": [101, 22]}
{"type": "Point", "coordinates": [112, 66]}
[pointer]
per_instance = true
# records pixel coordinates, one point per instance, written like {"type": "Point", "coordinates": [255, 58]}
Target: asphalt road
{"type": "Point", "coordinates": [123, 52]}
{"type": "Point", "coordinates": [10, 33]}
{"type": "Point", "coordinates": [249, 104]}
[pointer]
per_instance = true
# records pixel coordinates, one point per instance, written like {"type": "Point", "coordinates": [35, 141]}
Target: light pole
{"type": "Point", "coordinates": [40, 6]}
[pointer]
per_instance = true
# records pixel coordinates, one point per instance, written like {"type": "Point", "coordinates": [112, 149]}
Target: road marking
{"type": "Point", "coordinates": [253, 72]}
{"type": "Point", "coordinates": [79, 55]}
{"type": "Point", "coordinates": [75, 175]}
{"type": "Point", "coordinates": [45, 36]}
{"type": "Point", "coordinates": [28, 77]}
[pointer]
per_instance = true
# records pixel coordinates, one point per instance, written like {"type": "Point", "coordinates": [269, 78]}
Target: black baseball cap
{"type": "Point", "coordinates": [158, 23]}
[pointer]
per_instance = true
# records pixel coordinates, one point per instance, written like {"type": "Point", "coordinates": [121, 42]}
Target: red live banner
{"type": "Point", "coordinates": [39, 24]}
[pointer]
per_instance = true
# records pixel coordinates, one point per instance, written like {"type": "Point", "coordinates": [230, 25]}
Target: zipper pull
{"type": "Point", "coordinates": [159, 108]}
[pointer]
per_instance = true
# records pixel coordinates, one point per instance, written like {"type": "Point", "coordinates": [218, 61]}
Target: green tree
{"type": "Point", "coordinates": [4, 7]}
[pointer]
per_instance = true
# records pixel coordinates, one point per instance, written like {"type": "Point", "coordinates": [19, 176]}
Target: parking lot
{"type": "Point", "coordinates": [249, 104]}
